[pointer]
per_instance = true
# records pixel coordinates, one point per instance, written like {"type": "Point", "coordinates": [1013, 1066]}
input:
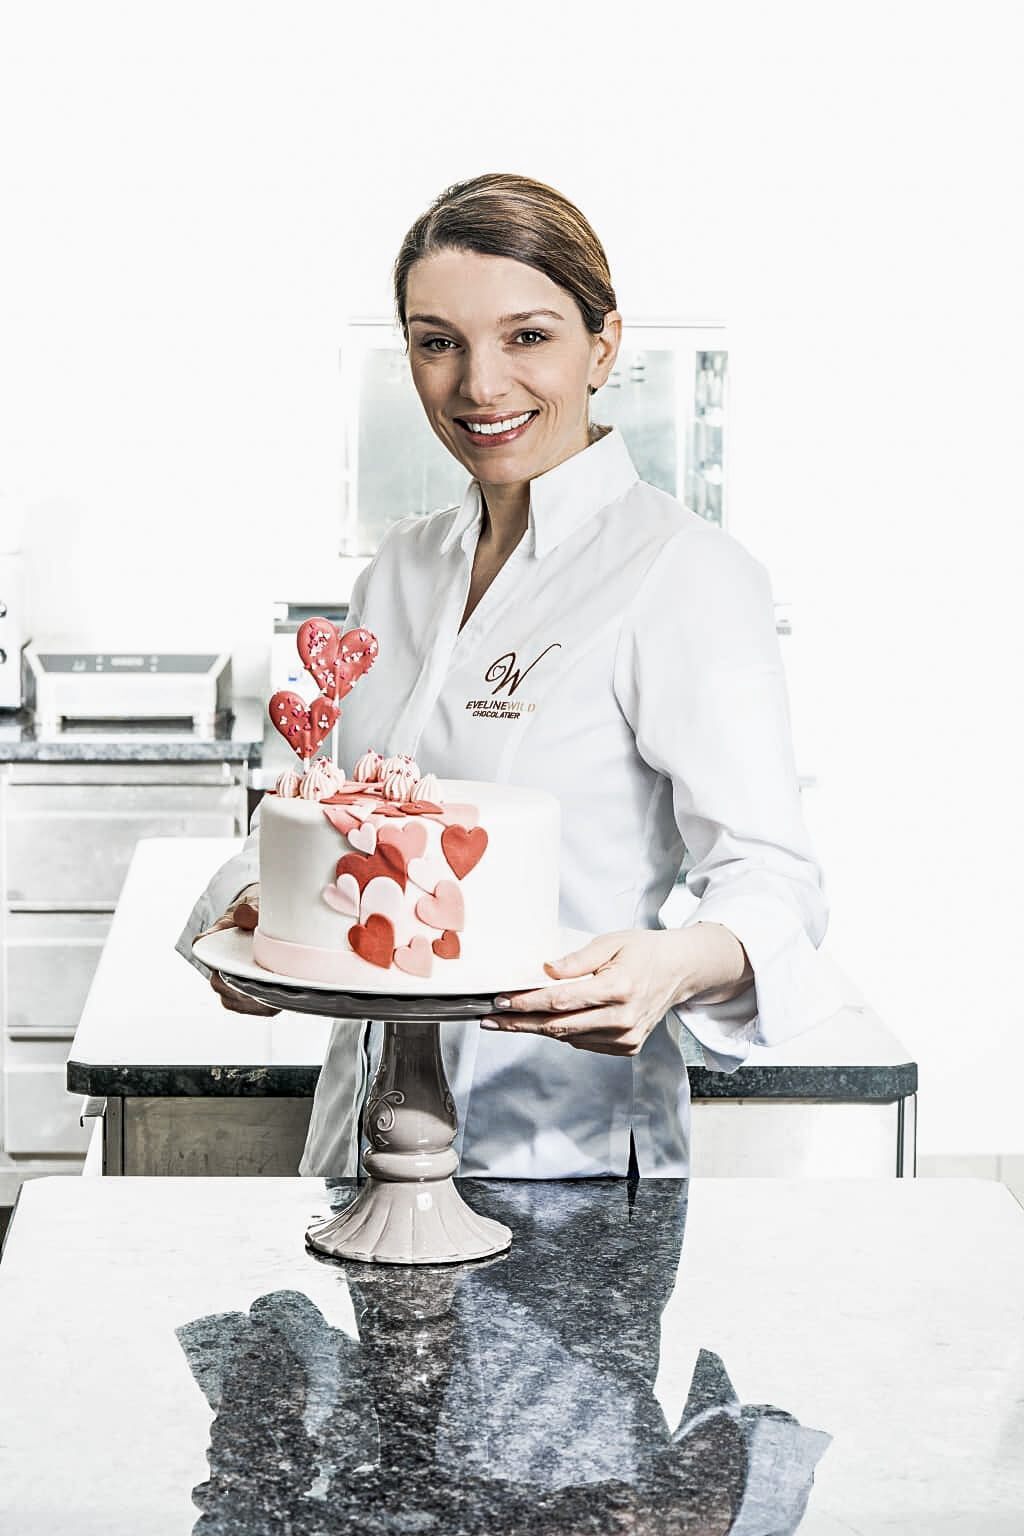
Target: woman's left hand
{"type": "Point", "coordinates": [626, 982]}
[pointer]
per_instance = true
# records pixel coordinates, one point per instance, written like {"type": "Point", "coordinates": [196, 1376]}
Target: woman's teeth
{"type": "Point", "coordinates": [492, 428]}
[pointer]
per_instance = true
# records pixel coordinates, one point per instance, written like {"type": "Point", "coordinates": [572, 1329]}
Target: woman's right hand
{"type": "Point", "coordinates": [242, 913]}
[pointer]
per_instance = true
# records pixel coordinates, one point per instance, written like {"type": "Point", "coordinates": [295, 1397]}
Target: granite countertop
{"type": "Point", "coordinates": [239, 739]}
{"type": "Point", "coordinates": [153, 1027]}
{"type": "Point", "coordinates": [740, 1356]}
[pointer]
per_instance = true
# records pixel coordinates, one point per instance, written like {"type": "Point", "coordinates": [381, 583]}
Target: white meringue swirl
{"type": "Point", "coordinates": [367, 770]}
{"type": "Point", "coordinates": [401, 762]}
{"type": "Point", "coordinates": [287, 784]}
{"type": "Point", "coordinates": [428, 788]}
{"type": "Point", "coordinates": [400, 785]}
{"type": "Point", "coordinates": [321, 780]}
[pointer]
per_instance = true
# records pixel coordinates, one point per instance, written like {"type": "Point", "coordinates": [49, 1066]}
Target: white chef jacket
{"type": "Point", "coordinates": [625, 659]}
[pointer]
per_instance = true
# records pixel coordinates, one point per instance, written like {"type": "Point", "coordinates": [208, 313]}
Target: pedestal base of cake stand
{"type": "Point", "coordinates": [409, 1211]}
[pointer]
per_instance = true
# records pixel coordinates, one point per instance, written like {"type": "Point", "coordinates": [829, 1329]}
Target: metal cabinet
{"type": "Point", "coordinates": [67, 834]}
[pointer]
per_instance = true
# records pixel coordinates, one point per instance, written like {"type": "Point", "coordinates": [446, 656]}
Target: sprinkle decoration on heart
{"type": "Point", "coordinates": [415, 958]}
{"type": "Point", "coordinates": [444, 909]}
{"type": "Point", "coordinates": [447, 947]}
{"type": "Point", "coordinates": [374, 940]}
{"type": "Point", "coordinates": [343, 895]}
{"type": "Point", "coordinates": [463, 848]}
{"type": "Point", "coordinates": [303, 729]}
{"type": "Point", "coordinates": [335, 662]}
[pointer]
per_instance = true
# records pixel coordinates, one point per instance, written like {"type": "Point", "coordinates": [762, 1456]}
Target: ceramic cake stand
{"type": "Point", "coordinates": [408, 1211]}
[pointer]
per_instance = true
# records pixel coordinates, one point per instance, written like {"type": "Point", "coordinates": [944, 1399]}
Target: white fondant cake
{"type": "Point", "coordinates": [358, 887]}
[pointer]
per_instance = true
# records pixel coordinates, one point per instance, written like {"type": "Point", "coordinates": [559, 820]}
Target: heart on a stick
{"type": "Point", "coordinates": [303, 729]}
{"type": "Point", "coordinates": [335, 662]}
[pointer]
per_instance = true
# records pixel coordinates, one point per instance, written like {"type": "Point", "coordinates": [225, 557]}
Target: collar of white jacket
{"type": "Point", "coordinates": [563, 498]}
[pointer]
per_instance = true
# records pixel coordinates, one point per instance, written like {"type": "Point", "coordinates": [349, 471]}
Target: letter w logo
{"type": "Point", "coordinates": [504, 673]}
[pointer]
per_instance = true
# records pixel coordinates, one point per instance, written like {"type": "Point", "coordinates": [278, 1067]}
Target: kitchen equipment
{"type": "Point", "coordinates": [67, 686]}
{"type": "Point", "coordinates": [13, 629]}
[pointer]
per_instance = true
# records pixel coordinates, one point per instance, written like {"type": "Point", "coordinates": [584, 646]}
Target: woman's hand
{"type": "Point", "coordinates": [627, 982]}
{"type": "Point", "coordinates": [243, 913]}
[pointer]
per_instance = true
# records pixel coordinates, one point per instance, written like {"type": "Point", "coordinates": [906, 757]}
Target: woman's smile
{"type": "Point", "coordinates": [494, 431]}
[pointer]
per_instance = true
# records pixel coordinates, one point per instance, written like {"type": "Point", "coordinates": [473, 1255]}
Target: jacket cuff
{"type": "Point", "coordinates": [795, 986]}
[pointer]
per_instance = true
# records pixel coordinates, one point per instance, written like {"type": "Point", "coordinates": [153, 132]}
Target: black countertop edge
{"type": "Point", "coordinates": [871, 1084]}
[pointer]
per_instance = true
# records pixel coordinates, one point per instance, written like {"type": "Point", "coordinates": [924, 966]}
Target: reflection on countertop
{"type": "Point", "coordinates": [178, 1361]}
{"type": "Point", "coordinates": [513, 1395]}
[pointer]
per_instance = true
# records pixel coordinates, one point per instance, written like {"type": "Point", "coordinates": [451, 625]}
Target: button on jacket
{"type": "Point", "coordinates": [625, 659]}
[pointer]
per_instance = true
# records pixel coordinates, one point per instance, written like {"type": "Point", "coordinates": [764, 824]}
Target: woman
{"type": "Point", "coordinates": [635, 647]}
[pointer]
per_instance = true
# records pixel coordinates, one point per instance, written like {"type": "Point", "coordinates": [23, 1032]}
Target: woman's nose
{"type": "Point", "coordinates": [484, 376]}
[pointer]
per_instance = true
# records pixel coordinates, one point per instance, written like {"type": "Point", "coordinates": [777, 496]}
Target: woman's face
{"type": "Point", "coordinates": [496, 345]}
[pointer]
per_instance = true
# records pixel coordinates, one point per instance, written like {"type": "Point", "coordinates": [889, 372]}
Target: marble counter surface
{"type": "Point", "coordinates": [835, 1356]}
{"type": "Point", "coordinates": [152, 1026]}
{"type": "Point", "coordinates": [239, 740]}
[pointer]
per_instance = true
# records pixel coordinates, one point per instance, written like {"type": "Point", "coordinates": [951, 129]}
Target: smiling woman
{"type": "Point", "coordinates": [571, 628]}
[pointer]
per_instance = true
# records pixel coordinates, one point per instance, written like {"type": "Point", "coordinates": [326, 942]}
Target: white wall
{"type": "Point", "coordinates": [196, 197]}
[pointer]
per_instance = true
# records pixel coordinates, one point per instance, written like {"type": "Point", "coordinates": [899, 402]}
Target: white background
{"type": "Point", "coordinates": [195, 198]}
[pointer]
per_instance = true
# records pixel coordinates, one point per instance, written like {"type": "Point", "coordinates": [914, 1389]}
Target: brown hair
{"type": "Point", "coordinates": [506, 215]}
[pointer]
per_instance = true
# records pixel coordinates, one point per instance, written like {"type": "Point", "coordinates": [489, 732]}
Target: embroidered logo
{"type": "Point", "coordinates": [506, 676]}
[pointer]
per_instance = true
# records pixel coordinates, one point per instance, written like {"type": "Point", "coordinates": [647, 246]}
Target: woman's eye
{"type": "Point", "coordinates": [437, 344]}
{"type": "Point", "coordinates": [531, 338]}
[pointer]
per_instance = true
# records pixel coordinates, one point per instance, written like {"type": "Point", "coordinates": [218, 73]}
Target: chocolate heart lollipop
{"type": "Point", "coordinates": [303, 729]}
{"type": "Point", "coordinates": [318, 643]}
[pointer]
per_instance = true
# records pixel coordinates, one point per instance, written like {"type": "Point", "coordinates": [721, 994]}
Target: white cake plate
{"type": "Point", "coordinates": [408, 1211]}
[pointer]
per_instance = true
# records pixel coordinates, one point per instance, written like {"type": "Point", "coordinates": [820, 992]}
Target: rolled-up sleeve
{"type": "Point", "coordinates": [699, 676]}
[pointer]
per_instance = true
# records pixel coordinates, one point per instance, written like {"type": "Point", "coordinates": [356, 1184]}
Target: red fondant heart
{"type": "Point", "coordinates": [415, 959]}
{"type": "Point", "coordinates": [374, 940]}
{"type": "Point", "coordinates": [400, 844]}
{"type": "Point", "coordinates": [365, 869]}
{"type": "Point", "coordinates": [444, 909]}
{"type": "Point", "coordinates": [447, 947]}
{"type": "Point", "coordinates": [463, 848]}
{"type": "Point", "coordinates": [303, 729]}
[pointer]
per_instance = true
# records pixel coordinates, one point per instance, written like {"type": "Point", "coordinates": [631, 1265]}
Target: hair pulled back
{"type": "Point", "coordinates": [505, 215]}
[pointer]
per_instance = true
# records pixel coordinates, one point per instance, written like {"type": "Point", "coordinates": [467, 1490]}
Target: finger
{"type": "Point", "coordinates": [589, 991]}
{"type": "Point", "coordinates": [599, 951]}
{"type": "Point", "coordinates": [600, 1021]}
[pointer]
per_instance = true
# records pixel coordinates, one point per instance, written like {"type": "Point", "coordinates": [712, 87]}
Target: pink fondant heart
{"type": "Point", "coordinates": [364, 838]}
{"type": "Point", "coordinates": [463, 848]}
{"type": "Point", "coordinates": [342, 820]}
{"type": "Point", "coordinates": [460, 815]}
{"type": "Point", "coordinates": [303, 729]}
{"type": "Point", "coordinates": [447, 947]}
{"type": "Point", "coordinates": [384, 895]}
{"type": "Point", "coordinates": [373, 940]}
{"type": "Point", "coordinates": [401, 844]}
{"type": "Point", "coordinates": [343, 895]}
{"type": "Point", "coordinates": [444, 909]}
{"type": "Point", "coordinates": [415, 959]}
{"type": "Point", "coordinates": [427, 872]}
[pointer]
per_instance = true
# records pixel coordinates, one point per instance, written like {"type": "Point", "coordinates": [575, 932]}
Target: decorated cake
{"type": "Point", "coordinates": [388, 871]}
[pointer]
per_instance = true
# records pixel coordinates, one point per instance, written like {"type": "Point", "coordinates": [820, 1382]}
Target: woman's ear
{"type": "Point", "coordinates": [606, 349]}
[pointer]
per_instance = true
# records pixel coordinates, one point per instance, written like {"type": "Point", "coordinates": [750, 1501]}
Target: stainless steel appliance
{"type": "Point", "coordinates": [69, 686]}
{"type": "Point", "coordinates": [13, 629]}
